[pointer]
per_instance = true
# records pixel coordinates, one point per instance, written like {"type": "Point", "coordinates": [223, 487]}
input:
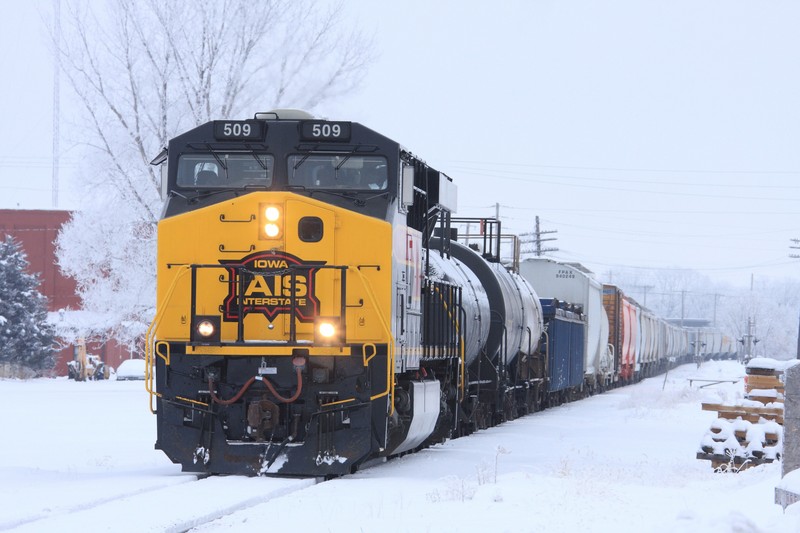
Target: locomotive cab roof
{"type": "Point", "coordinates": [285, 114]}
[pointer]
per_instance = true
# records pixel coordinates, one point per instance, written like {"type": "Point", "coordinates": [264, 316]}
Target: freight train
{"type": "Point", "coordinates": [318, 307]}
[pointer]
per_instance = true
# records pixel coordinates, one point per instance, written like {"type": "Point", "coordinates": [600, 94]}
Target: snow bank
{"type": "Point", "coordinates": [623, 461]}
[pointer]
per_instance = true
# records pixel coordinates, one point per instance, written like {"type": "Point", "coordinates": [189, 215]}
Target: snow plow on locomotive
{"type": "Point", "coordinates": [316, 310]}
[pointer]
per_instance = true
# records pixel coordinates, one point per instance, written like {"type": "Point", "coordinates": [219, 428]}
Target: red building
{"type": "Point", "coordinates": [37, 230]}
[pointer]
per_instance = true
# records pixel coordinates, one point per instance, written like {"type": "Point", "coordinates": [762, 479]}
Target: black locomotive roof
{"type": "Point", "coordinates": [285, 136]}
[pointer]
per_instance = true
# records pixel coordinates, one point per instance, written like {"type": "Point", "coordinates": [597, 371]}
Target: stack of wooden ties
{"type": "Point", "coordinates": [750, 432]}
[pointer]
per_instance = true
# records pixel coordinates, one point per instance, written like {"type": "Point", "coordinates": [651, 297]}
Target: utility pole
{"type": "Point", "coordinates": [644, 288]}
{"type": "Point", "coordinates": [538, 240]}
{"type": "Point", "coordinates": [716, 297]}
{"type": "Point", "coordinates": [538, 234]}
{"type": "Point", "coordinates": [56, 99]}
{"type": "Point", "coordinates": [749, 340]}
{"type": "Point", "coordinates": [796, 256]}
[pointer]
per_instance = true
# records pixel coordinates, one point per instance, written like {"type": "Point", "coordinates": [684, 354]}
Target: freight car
{"type": "Point", "coordinates": [573, 283]}
{"type": "Point", "coordinates": [316, 308]}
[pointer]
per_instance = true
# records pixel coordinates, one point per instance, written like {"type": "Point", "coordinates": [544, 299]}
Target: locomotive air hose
{"type": "Point", "coordinates": [296, 394]}
{"type": "Point", "coordinates": [235, 398]}
{"type": "Point", "coordinates": [266, 382]}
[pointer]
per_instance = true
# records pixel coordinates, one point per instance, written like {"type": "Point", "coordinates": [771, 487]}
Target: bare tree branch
{"type": "Point", "coordinates": [142, 71]}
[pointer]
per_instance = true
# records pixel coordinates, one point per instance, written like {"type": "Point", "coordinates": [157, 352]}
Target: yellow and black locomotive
{"type": "Point", "coordinates": [313, 310]}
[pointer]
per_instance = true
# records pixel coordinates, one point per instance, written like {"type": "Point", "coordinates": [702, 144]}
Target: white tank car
{"type": "Point", "coordinates": [475, 301]}
{"type": "Point", "coordinates": [493, 296]}
{"type": "Point", "coordinates": [574, 284]}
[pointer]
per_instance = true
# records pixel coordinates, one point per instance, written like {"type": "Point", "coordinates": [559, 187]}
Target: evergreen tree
{"type": "Point", "coordinates": [26, 338]}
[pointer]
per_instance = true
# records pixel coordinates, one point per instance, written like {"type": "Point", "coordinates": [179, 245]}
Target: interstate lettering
{"type": "Point", "coordinates": [272, 283]}
{"type": "Point", "coordinates": [300, 302]}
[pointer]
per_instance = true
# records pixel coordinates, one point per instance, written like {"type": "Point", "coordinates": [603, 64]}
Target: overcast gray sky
{"type": "Point", "coordinates": [648, 133]}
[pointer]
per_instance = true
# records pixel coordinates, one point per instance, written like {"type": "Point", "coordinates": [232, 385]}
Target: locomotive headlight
{"type": "Point", "coordinates": [272, 213]}
{"type": "Point", "coordinates": [271, 223]}
{"type": "Point", "coordinates": [271, 230]}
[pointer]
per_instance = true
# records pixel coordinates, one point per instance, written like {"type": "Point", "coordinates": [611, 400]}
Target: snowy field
{"type": "Point", "coordinates": [80, 456]}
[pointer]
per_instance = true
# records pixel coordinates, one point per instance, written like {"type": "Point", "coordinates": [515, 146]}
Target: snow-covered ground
{"type": "Point", "coordinates": [81, 455]}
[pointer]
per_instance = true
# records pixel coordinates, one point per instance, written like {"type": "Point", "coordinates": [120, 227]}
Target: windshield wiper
{"type": "Point", "coordinates": [206, 193]}
{"type": "Point", "coordinates": [219, 160]}
{"type": "Point", "coordinates": [255, 156]}
{"type": "Point", "coordinates": [344, 160]}
{"type": "Point", "coordinates": [202, 195]}
{"type": "Point", "coordinates": [347, 195]}
{"type": "Point", "coordinates": [302, 160]}
{"type": "Point", "coordinates": [173, 192]}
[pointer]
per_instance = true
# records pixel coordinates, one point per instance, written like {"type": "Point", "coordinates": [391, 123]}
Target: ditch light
{"type": "Point", "coordinates": [328, 331]}
{"type": "Point", "coordinates": [206, 329]}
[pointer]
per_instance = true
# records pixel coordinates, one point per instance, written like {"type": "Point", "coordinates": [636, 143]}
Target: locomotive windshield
{"type": "Point", "coordinates": [225, 170]}
{"type": "Point", "coordinates": [353, 172]}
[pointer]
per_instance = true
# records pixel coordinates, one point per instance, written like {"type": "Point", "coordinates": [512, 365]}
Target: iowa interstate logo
{"type": "Point", "coordinates": [269, 281]}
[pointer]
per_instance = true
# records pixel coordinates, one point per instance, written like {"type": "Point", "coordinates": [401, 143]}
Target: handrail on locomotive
{"type": "Point", "coordinates": [151, 345]}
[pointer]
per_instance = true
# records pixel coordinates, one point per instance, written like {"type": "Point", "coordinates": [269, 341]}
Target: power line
{"type": "Point", "coordinates": [643, 211]}
{"type": "Point", "coordinates": [627, 190]}
{"type": "Point", "coordinates": [681, 234]}
{"type": "Point", "coordinates": [769, 264]}
{"type": "Point", "coordinates": [796, 241]}
{"type": "Point", "coordinates": [623, 230]}
{"type": "Point", "coordinates": [495, 164]}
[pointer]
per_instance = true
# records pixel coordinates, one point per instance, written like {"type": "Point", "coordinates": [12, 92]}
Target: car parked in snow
{"type": "Point", "coordinates": [131, 369]}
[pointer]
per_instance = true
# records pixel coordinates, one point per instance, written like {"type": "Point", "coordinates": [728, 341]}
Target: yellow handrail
{"type": "Point", "coordinates": [151, 347]}
{"type": "Point", "coordinates": [364, 354]}
{"type": "Point", "coordinates": [149, 342]}
{"type": "Point", "coordinates": [390, 344]}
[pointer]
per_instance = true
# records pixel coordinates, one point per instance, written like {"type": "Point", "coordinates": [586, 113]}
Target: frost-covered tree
{"type": "Point", "coordinates": [145, 70]}
{"type": "Point", "coordinates": [26, 338]}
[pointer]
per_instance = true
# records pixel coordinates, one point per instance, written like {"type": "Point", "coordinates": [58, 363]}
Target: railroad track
{"type": "Point", "coordinates": [169, 508]}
